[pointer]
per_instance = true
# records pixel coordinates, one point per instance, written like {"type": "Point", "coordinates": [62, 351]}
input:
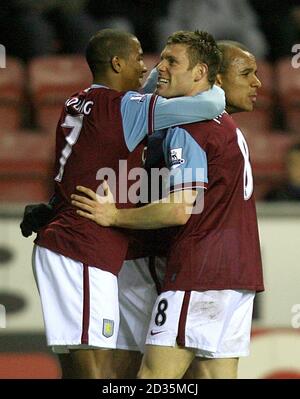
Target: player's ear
{"type": "Point", "coordinates": [201, 70]}
{"type": "Point", "coordinates": [219, 80]}
{"type": "Point", "coordinates": [116, 64]}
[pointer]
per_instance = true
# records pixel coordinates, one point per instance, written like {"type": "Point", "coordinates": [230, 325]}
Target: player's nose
{"type": "Point", "coordinates": [162, 65]}
{"type": "Point", "coordinates": [256, 82]}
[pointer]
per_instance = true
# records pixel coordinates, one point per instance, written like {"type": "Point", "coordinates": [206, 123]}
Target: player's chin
{"type": "Point", "coordinates": [138, 84]}
{"type": "Point", "coordinates": [247, 106]}
{"type": "Point", "coordinates": [159, 91]}
{"type": "Point", "coordinates": [164, 93]}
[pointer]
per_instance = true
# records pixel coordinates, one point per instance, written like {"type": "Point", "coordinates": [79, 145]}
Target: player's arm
{"type": "Point", "coordinates": [142, 114]}
{"type": "Point", "coordinates": [181, 110]}
{"type": "Point", "coordinates": [174, 210]}
{"type": "Point", "coordinates": [151, 82]}
{"type": "Point", "coordinates": [187, 165]}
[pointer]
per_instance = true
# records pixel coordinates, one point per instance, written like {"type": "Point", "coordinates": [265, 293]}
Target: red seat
{"type": "Point", "coordinates": [288, 86]}
{"type": "Point", "coordinates": [267, 152]}
{"type": "Point", "coordinates": [260, 119]}
{"type": "Point", "coordinates": [288, 82]}
{"type": "Point", "coordinates": [26, 165]}
{"type": "Point", "coordinates": [265, 73]}
{"type": "Point", "coordinates": [11, 94]}
{"type": "Point", "coordinates": [52, 80]}
{"type": "Point", "coordinates": [292, 116]}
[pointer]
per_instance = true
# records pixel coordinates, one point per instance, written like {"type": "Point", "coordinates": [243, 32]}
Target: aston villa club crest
{"type": "Point", "coordinates": [108, 328]}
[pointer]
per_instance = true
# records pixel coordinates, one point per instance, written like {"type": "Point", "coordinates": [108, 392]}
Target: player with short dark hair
{"type": "Point", "coordinates": [103, 46]}
{"type": "Point", "coordinates": [214, 260]}
{"type": "Point", "coordinates": [76, 264]}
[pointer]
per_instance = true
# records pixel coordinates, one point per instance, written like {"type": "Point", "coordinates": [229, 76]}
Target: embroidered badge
{"type": "Point", "coordinates": [175, 157]}
{"type": "Point", "coordinates": [108, 328]}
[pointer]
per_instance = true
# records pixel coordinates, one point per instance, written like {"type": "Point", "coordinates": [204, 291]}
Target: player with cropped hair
{"type": "Point", "coordinates": [75, 263]}
{"type": "Point", "coordinates": [222, 269]}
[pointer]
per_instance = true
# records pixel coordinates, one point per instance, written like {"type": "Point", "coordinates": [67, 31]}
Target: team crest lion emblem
{"type": "Point", "coordinates": [108, 328]}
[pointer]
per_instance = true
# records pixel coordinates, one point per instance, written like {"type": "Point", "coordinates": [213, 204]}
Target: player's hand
{"type": "Point", "coordinates": [100, 209]}
{"type": "Point", "coordinates": [35, 217]}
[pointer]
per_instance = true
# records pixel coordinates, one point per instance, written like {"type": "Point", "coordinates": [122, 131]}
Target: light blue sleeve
{"type": "Point", "coordinates": [186, 161]}
{"type": "Point", "coordinates": [206, 105]}
{"type": "Point", "coordinates": [150, 83]}
{"type": "Point", "coordinates": [144, 113]}
{"type": "Point", "coordinates": [135, 109]}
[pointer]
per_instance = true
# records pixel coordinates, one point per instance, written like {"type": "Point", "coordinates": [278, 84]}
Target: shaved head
{"type": "Point", "coordinates": [228, 48]}
{"type": "Point", "coordinates": [238, 76]}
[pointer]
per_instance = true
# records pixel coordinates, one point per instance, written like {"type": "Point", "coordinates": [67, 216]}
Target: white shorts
{"type": "Point", "coordinates": [217, 324]}
{"type": "Point", "coordinates": [137, 296]}
{"type": "Point", "coordinates": [79, 302]}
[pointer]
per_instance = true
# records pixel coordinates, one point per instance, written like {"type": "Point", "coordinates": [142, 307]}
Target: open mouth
{"type": "Point", "coordinates": [162, 81]}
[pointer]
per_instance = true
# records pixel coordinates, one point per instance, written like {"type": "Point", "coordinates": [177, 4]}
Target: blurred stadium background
{"type": "Point", "coordinates": [31, 96]}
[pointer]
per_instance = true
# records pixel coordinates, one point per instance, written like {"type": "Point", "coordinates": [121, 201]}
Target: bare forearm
{"type": "Point", "coordinates": [152, 216]}
{"type": "Point", "coordinates": [175, 210]}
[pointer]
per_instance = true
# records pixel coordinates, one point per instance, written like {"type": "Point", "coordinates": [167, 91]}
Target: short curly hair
{"type": "Point", "coordinates": [106, 44]}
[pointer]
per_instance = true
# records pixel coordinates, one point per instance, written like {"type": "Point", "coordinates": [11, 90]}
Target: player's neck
{"type": "Point", "coordinates": [199, 88]}
{"type": "Point", "coordinates": [109, 81]}
{"type": "Point", "coordinates": [232, 110]}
